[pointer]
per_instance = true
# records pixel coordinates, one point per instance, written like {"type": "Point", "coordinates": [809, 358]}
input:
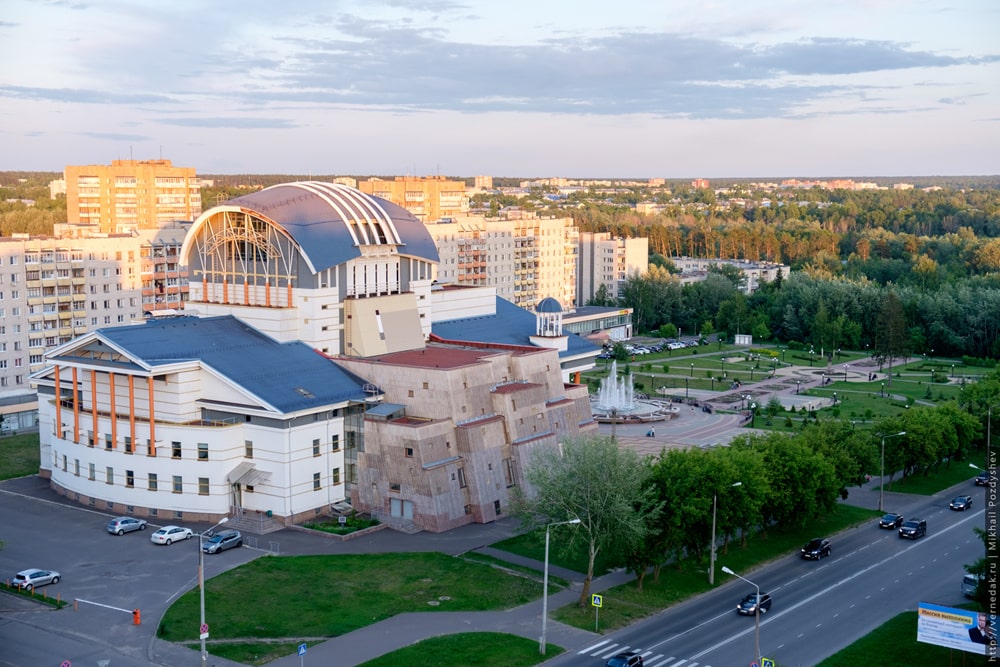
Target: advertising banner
{"type": "Point", "coordinates": [965, 630]}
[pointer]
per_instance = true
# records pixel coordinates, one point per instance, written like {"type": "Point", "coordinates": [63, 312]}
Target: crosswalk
{"type": "Point", "coordinates": [607, 648]}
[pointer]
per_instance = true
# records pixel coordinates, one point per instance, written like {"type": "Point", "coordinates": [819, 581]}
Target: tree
{"type": "Point", "coordinates": [602, 297]}
{"type": "Point", "coordinates": [590, 479]}
{"type": "Point", "coordinates": [890, 333]}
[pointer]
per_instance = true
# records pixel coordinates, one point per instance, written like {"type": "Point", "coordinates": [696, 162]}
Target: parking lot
{"type": "Point", "coordinates": [113, 575]}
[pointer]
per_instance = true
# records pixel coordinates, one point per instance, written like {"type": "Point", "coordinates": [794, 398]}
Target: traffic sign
{"type": "Point", "coordinates": [754, 664]}
{"type": "Point", "coordinates": [66, 663]}
{"type": "Point", "coordinates": [204, 627]}
{"type": "Point", "coordinates": [596, 600]}
{"type": "Point", "coordinates": [302, 649]}
{"type": "Point", "coordinates": [766, 662]}
{"type": "Point", "coordinates": [204, 631]}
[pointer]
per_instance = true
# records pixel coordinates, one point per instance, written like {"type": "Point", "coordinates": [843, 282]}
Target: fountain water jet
{"type": "Point", "coordinates": [616, 394]}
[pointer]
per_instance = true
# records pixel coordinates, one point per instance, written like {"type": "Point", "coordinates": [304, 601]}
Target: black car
{"type": "Point", "coordinates": [961, 503]}
{"type": "Point", "coordinates": [913, 529]}
{"type": "Point", "coordinates": [748, 605]}
{"type": "Point", "coordinates": [891, 521]}
{"type": "Point", "coordinates": [983, 479]}
{"type": "Point", "coordinates": [816, 549]}
{"type": "Point", "coordinates": [626, 659]}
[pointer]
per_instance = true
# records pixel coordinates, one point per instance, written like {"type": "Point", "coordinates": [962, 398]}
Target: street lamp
{"type": "Point", "coordinates": [692, 369]}
{"type": "Point", "coordinates": [798, 384]}
{"type": "Point", "coordinates": [753, 414]}
{"type": "Point", "coordinates": [756, 614]}
{"type": "Point", "coordinates": [685, 387]}
{"type": "Point", "coordinates": [201, 588]}
{"type": "Point", "coordinates": [953, 371]}
{"type": "Point", "coordinates": [711, 549]}
{"type": "Point", "coordinates": [545, 582]}
{"type": "Point", "coordinates": [882, 393]}
{"type": "Point", "coordinates": [835, 398]}
{"type": "Point", "coordinates": [881, 474]}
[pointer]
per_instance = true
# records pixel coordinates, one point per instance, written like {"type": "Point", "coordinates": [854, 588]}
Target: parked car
{"type": "Point", "coordinates": [748, 605]}
{"type": "Point", "coordinates": [970, 584]}
{"type": "Point", "coordinates": [30, 579]}
{"type": "Point", "coordinates": [227, 539]}
{"type": "Point", "coordinates": [913, 529]}
{"type": "Point", "coordinates": [170, 534]}
{"type": "Point", "coordinates": [626, 659]}
{"type": "Point", "coordinates": [125, 524]}
{"type": "Point", "coordinates": [892, 521]}
{"type": "Point", "coordinates": [983, 479]}
{"type": "Point", "coordinates": [816, 548]}
{"type": "Point", "coordinates": [961, 503]}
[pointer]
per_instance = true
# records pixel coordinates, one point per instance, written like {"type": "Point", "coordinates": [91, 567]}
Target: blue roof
{"type": "Point", "coordinates": [548, 305]}
{"type": "Point", "coordinates": [289, 376]}
{"type": "Point", "coordinates": [509, 325]}
{"type": "Point", "coordinates": [330, 221]}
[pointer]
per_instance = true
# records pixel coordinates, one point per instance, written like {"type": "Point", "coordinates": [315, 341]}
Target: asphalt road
{"type": "Point", "coordinates": [819, 606]}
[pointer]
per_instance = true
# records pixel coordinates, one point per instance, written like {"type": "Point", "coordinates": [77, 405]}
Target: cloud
{"type": "Point", "coordinates": [113, 136]}
{"type": "Point", "coordinates": [233, 123]}
{"type": "Point", "coordinates": [82, 96]}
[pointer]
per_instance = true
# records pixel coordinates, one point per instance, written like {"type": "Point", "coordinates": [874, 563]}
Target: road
{"type": "Point", "coordinates": [819, 607]}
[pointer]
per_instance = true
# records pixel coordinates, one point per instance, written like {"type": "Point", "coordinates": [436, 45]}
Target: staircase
{"type": "Point", "coordinates": [258, 523]}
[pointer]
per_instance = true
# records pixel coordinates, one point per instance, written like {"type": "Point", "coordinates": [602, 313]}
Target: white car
{"type": "Point", "coordinates": [29, 579]}
{"type": "Point", "coordinates": [170, 534]}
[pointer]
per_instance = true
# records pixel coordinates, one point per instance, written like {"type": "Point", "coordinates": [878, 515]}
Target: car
{"type": "Point", "coordinates": [816, 548]}
{"type": "Point", "coordinates": [970, 584]}
{"type": "Point", "coordinates": [32, 578]}
{"type": "Point", "coordinates": [982, 479]}
{"type": "Point", "coordinates": [625, 659]}
{"type": "Point", "coordinates": [891, 521]}
{"type": "Point", "coordinates": [748, 605]}
{"type": "Point", "coordinates": [961, 503]}
{"type": "Point", "coordinates": [913, 529]}
{"type": "Point", "coordinates": [227, 539]}
{"type": "Point", "coordinates": [170, 534]}
{"type": "Point", "coordinates": [125, 524]}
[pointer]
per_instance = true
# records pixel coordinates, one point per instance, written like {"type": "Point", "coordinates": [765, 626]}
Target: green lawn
{"type": "Point", "coordinates": [475, 648]}
{"type": "Point", "coordinates": [19, 455]}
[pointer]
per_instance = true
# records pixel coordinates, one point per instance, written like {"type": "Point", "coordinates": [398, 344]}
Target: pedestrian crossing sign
{"type": "Point", "coordinates": [766, 662]}
{"type": "Point", "coordinates": [598, 601]}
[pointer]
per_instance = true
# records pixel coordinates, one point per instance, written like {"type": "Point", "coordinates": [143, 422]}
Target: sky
{"type": "Point", "coordinates": [516, 88]}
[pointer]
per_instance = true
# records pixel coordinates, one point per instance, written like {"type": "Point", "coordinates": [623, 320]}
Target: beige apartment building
{"type": "Point", "coordinates": [609, 261]}
{"type": "Point", "coordinates": [131, 195]}
{"type": "Point", "coordinates": [429, 198]}
{"type": "Point", "coordinates": [526, 259]}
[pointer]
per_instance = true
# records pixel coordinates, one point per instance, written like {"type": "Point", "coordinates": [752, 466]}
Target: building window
{"type": "Point", "coordinates": [394, 487]}
{"type": "Point", "coordinates": [130, 479]}
{"type": "Point", "coordinates": [92, 472]}
{"type": "Point", "coordinates": [409, 452]}
{"type": "Point", "coordinates": [64, 463]}
{"type": "Point", "coordinates": [335, 476]}
{"type": "Point", "coordinates": [90, 438]}
{"type": "Point", "coordinates": [202, 451]}
{"type": "Point", "coordinates": [316, 447]}
{"type": "Point", "coordinates": [426, 385]}
{"type": "Point", "coordinates": [461, 478]}
{"type": "Point", "coordinates": [508, 471]}
{"type": "Point", "coordinates": [496, 506]}
{"type": "Point", "coordinates": [316, 486]}
{"type": "Point", "coordinates": [248, 449]}
{"type": "Point", "coordinates": [203, 486]}
{"type": "Point", "coordinates": [175, 450]}
{"type": "Point", "coordinates": [109, 475]}
{"type": "Point", "coordinates": [128, 444]}
{"type": "Point", "coordinates": [248, 488]}
{"type": "Point", "coordinates": [178, 484]}
{"type": "Point", "coordinates": [335, 442]}
{"type": "Point", "coordinates": [153, 481]}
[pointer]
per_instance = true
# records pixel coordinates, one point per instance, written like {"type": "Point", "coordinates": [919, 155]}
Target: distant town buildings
{"type": "Point", "coordinates": [429, 198]}
{"type": "Point", "coordinates": [131, 195]}
{"type": "Point", "coordinates": [608, 261]}
{"type": "Point", "coordinates": [695, 269]}
{"type": "Point", "coordinates": [700, 183]}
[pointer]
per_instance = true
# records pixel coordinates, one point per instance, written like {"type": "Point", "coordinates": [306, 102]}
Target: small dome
{"type": "Point", "coordinates": [548, 305]}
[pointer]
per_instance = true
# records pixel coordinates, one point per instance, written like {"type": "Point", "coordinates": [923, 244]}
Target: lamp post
{"type": "Point", "coordinates": [685, 387]}
{"type": "Point", "coordinates": [201, 588]}
{"type": "Point", "coordinates": [953, 371]}
{"type": "Point", "coordinates": [798, 384]}
{"type": "Point", "coordinates": [882, 392]}
{"type": "Point", "coordinates": [756, 614]}
{"type": "Point", "coordinates": [881, 474]}
{"type": "Point", "coordinates": [711, 549]}
{"type": "Point", "coordinates": [692, 369]}
{"type": "Point", "coordinates": [753, 414]}
{"type": "Point", "coordinates": [545, 582]}
{"type": "Point", "coordinates": [835, 398]}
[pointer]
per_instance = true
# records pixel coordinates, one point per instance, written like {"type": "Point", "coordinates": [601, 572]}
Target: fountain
{"type": "Point", "coordinates": [616, 394]}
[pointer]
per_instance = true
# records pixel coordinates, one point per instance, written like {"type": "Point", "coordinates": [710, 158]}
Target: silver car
{"type": "Point", "coordinates": [125, 524]}
{"type": "Point", "coordinates": [30, 579]}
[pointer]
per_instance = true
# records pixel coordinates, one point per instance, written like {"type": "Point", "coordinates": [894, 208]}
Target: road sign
{"type": "Point", "coordinates": [204, 627]}
{"type": "Point", "coordinates": [302, 649]}
{"type": "Point", "coordinates": [754, 664]}
{"type": "Point", "coordinates": [766, 662]}
{"type": "Point", "coordinates": [66, 663]}
{"type": "Point", "coordinates": [596, 600]}
{"type": "Point", "coordinates": [204, 631]}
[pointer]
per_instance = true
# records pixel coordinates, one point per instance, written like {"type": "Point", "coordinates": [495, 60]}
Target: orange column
{"type": "Point", "coordinates": [246, 293]}
{"type": "Point", "coordinates": [267, 293]}
{"type": "Point", "coordinates": [114, 411]}
{"type": "Point", "coordinates": [131, 409]}
{"type": "Point", "coordinates": [93, 401]}
{"type": "Point", "coordinates": [59, 430]}
{"type": "Point", "coordinates": [76, 409]}
{"type": "Point", "coordinates": [204, 289]}
{"type": "Point", "coordinates": [289, 293]}
{"type": "Point", "coordinates": [152, 419]}
{"type": "Point", "coordinates": [225, 290]}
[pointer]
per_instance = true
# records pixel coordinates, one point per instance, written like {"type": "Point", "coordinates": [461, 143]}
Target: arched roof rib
{"type": "Point", "coordinates": [330, 222]}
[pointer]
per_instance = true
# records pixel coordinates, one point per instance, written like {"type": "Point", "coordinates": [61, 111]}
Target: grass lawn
{"type": "Point", "coordinates": [894, 644]}
{"type": "Point", "coordinates": [474, 648]}
{"type": "Point", "coordinates": [939, 478]}
{"type": "Point", "coordinates": [625, 604]}
{"type": "Point", "coordinates": [341, 594]}
{"type": "Point", "coordinates": [19, 455]}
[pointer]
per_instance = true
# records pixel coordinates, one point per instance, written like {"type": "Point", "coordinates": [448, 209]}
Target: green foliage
{"type": "Point", "coordinates": [486, 649]}
{"type": "Point", "coordinates": [19, 455]}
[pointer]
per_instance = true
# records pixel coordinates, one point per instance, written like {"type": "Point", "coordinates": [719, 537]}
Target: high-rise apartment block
{"type": "Point", "coordinates": [525, 259]}
{"type": "Point", "coordinates": [131, 195]}
{"type": "Point", "coordinates": [429, 198]}
{"type": "Point", "coordinates": [608, 261]}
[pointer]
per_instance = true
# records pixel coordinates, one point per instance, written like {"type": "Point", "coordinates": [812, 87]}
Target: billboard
{"type": "Point", "coordinates": [952, 627]}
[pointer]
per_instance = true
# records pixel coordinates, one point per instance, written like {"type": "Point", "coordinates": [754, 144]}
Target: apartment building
{"type": "Point", "coordinates": [429, 198]}
{"type": "Point", "coordinates": [525, 258]}
{"type": "Point", "coordinates": [609, 261]}
{"type": "Point", "coordinates": [131, 195]}
{"type": "Point", "coordinates": [694, 269]}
